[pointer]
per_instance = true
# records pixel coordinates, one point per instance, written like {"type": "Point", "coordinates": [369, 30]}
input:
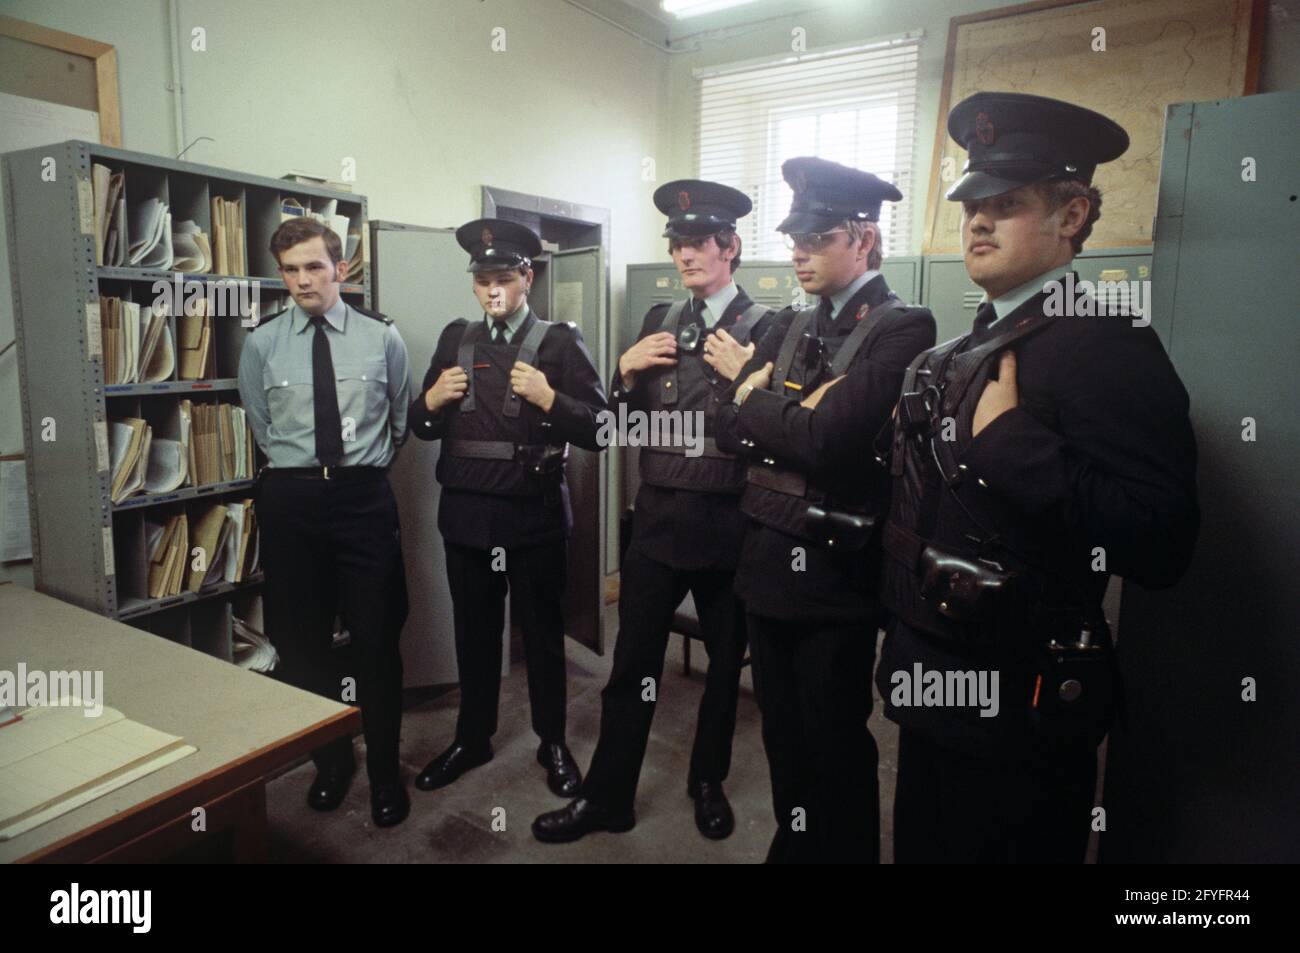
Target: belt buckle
{"type": "Point", "coordinates": [325, 473]}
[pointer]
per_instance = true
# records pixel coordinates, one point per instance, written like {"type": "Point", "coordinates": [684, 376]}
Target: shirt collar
{"type": "Point", "coordinates": [1013, 299]}
{"type": "Point", "coordinates": [841, 297]}
{"type": "Point", "coordinates": [335, 317]}
{"type": "Point", "coordinates": [720, 300]}
{"type": "Point", "coordinates": [513, 321]}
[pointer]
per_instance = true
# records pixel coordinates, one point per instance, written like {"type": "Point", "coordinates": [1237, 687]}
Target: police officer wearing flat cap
{"type": "Point", "coordinates": [687, 526]}
{"type": "Point", "coordinates": [822, 383]}
{"type": "Point", "coordinates": [325, 384]}
{"type": "Point", "coordinates": [506, 394]}
{"type": "Point", "coordinates": [1031, 457]}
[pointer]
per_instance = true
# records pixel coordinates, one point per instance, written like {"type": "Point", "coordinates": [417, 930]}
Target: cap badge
{"type": "Point", "coordinates": [684, 200]}
{"type": "Point", "coordinates": [984, 128]}
{"type": "Point", "coordinates": [486, 236]}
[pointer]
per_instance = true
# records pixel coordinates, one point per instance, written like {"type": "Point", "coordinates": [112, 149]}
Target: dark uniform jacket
{"type": "Point", "coordinates": [834, 445]}
{"type": "Point", "coordinates": [686, 529]}
{"type": "Point", "coordinates": [511, 518]}
{"type": "Point", "coordinates": [1098, 453]}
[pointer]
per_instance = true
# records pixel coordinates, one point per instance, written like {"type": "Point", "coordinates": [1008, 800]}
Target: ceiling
{"type": "Point", "coordinates": [648, 18]}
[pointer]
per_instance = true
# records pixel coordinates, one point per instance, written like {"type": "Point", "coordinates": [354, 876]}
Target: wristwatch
{"type": "Point", "coordinates": [741, 393]}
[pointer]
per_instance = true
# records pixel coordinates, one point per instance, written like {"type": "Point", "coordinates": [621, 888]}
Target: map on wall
{"type": "Point", "coordinates": [1156, 52]}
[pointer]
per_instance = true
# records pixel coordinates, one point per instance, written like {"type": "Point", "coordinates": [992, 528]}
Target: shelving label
{"type": "Point", "coordinates": [94, 337]}
{"type": "Point", "coordinates": [101, 446]}
{"type": "Point", "coordinates": [86, 206]}
{"type": "Point", "coordinates": [109, 567]}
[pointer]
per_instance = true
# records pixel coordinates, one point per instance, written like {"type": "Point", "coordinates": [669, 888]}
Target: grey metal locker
{"type": "Point", "coordinates": [770, 283]}
{"type": "Point", "coordinates": [421, 282]}
{"type": "Point", "coordinates": [1200, 773]}
{"type": "Point", "coordinates": [578, 294]}
{"type": "Point", "coordinates": [948, 291]}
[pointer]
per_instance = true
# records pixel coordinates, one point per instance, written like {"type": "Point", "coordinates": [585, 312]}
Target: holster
{"type": "Point", "coordinates": [969, 591]}
{"type": "Point", "coordinates": [546, 463]}
{"type": "Point", "coordinates": [850, 532]}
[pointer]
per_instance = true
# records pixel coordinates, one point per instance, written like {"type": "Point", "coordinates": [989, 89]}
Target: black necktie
{"type": "Point", "coordinates": [824, 315]}
{"type": "Point", "coordinates": [499, 333]}
{"type": "Point", "coordinates": [325, 397]}
{"type": "Point", "coordinates": [984, 317]}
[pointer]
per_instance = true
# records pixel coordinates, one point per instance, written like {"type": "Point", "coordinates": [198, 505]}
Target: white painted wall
{"type": "Point", "coordinates": [411, 90]}
{"type": "Point", "coordinates": [414, 93]}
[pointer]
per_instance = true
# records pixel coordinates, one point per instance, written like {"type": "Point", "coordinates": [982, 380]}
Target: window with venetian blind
{"type": "Point", "coordinates": [856, 106]}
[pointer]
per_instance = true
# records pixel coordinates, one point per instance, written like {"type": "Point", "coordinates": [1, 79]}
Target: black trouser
{"type": "Point", "coordinates": [951, 808]}
{"type": "Point", "coordinates": [331, 546]}
{"type": "Point", "coordinates": [649, 594]}
{"type": "Point", "coordinates": [813, 681]}
{"type": "Point", "coordinates": [536, 576]}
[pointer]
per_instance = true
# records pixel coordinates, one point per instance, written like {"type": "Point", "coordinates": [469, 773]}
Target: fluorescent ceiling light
{"type": "Point", "coordinates": [693, 8]}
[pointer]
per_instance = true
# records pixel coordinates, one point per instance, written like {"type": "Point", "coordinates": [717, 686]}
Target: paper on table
{"type": "Point", "coordinates": [55, 759]}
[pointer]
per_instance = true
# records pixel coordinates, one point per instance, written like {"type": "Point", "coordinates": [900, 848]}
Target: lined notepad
{"type": "Point", "coordinates": [56, 759]}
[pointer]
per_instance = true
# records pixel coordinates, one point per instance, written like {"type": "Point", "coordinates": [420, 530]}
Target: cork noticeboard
{"type": "Point", "coordinates": [65, 71]}
{"type": "Point", "coordinates": [1156, 52]}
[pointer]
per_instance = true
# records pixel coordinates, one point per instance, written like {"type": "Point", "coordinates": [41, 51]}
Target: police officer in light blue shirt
{"type": "Point", "coordinates": [325, 385]}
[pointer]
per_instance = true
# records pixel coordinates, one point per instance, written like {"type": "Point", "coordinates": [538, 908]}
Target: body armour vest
{"type": "Point", "coordinates": [775, 495]}
{"type": "Point", "coordinates": [682, 390]}
{"type": "Point", "coordinates": [491, 431]}
{"type": "Point", "coordinates": [940, 390]}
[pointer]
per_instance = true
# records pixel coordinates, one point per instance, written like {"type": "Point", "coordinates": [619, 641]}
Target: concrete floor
{"type": "Point", "coordinates": [455, 824]}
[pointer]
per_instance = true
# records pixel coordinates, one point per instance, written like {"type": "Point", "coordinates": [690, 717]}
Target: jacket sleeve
{"type": "Point", "coordinates": [423, 424]}
{"type": "Point", "coordinates": [634, 396]}
{"type": "Point", "coordinates": [1121, 471]}
{"type": "Point", "coordinates": [843, 426]}
{"type": "Point", "coordinates": [726, 429]}
{"type": "Point", "coordinates": [579, 396]}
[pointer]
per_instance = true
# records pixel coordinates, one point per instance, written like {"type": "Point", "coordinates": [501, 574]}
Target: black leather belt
{"type": "Point", "coordinates": [489, 449]}
{"type": "Point", "coordinates": [708, 448]}
{"type": "Point", "coordinates": [480, 449]}
{"type": "Point", "coordinates": [789, 482]}
{"type": "Point", "coordinates": [342, 474]}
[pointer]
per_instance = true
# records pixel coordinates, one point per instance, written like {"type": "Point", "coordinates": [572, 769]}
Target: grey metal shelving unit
{"type": "Point", "coordinates": [86, 549]}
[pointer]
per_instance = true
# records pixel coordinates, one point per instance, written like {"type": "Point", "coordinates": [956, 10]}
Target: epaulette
{"type": "Point", "coordinates": [371, 314]}
{"type": "Point", "coordinates": [269, 317]}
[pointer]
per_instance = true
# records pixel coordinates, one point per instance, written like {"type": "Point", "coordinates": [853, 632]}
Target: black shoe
{"type": "Point", "coordinates": [712, 811]}
{"type": "Point", "coordinates": [389, 803]}
{"type": "Point", "coordinates": [562, 774]}
{"type": "Point", "coordinates": [581, 817]}
{"type": "Point", "coordinates": [330, 787]}
{"type": "Point", "coordinates": [451, 764]}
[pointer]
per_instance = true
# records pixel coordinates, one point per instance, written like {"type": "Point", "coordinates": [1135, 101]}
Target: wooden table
{"type": "Point", "coordinates": [244, 724]}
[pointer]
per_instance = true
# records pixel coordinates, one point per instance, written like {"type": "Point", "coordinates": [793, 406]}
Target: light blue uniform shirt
{"type": "Point", "coordinates": [514, 321]}
{"type": "Point", "coordinates": [371, 375]}
{"type": "Point", "coordinates": [717, 302]}
{"type": "Point", "coordinates": [1014, 298]}
{"type": "Point", "coordinates": [841, 297]}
